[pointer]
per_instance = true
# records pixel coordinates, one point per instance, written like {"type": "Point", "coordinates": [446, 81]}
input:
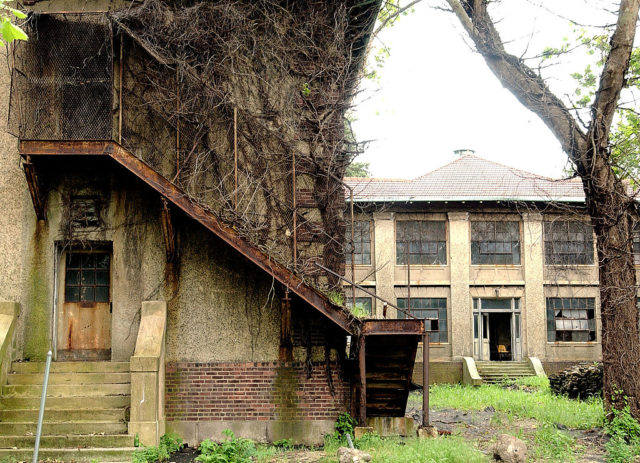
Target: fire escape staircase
{"type": "Point", "coordinates": [391, 345]}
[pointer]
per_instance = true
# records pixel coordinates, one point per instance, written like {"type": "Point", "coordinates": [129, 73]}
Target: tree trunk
{"type": "Point", "coordinates": [612, 211]}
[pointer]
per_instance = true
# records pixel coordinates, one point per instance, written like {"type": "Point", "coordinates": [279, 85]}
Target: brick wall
{"type": "Point", "coordinates": [255, 391]}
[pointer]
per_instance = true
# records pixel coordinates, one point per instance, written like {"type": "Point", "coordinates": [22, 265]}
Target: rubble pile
{"type": "Point", "coordinates": [578, 382]}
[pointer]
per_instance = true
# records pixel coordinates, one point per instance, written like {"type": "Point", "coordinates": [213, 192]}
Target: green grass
{"type": "Point", "coordinates": [539, 404]}
{"type": "Point", "coordinates": [551, 444]}
{"type": "Point", "coordinates": [411, 450]}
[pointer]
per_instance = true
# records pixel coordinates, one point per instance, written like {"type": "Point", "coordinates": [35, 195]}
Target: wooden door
{"type": "Point", "coordinates": [84, 318]}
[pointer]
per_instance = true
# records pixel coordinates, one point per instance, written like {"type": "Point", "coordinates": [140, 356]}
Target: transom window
{"type": "Point", "coordinates": [362, 304]}
{"type": "Point", "coordinates": [571, 319]}
{"type": "Point", "coordinates": [361, 243]}
{"type": "Point", "coordinates": [423, 242]}
{"type": "Point", "coordinates": [87, 277]}
{"type": "Point", "coordinates": [433, 310]}
{"type": "Point", "coordinates": [568, 243]}
{"type": "Point", "coordinates": [495, 243]}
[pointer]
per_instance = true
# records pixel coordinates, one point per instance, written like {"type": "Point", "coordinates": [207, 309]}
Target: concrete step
{"type": "Point", "coordinates": [53, 403]}
{"type": "Point", "coordinates": [109, 414]}
{"type": "Point", "coordinates": [72, 455]}
{"type": "Point", "coordinates": [70, 378]}
{"type": "Point", "coordinates": [66, 390]}
{"type": "Point", "coordinates": [506, 372]}
{"type": "Point", "coordinates": [67, 441]}
{"type": "Point", "coordinates": [56, 428]}
{"type": "Point", "coordinates": [71, 367]}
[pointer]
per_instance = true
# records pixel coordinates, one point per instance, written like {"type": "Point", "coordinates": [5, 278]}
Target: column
{"type": "Point", "coordinates": [460, 258]}
{"type": "Point", "coordinates": [534, 309]}
{"type": "Point", "coordinates": [384, 260]}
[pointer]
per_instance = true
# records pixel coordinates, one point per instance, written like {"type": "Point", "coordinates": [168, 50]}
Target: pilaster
{"type": "Point", "coordinates": [459, 260]}
{"type": "Point", "coordinates": [534, 312]}
{"type": "Point", "coordinates": [384, 261]}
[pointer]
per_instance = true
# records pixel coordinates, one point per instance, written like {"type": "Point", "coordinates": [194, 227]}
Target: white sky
{"type": "Point", "coordinates": [436, 95]}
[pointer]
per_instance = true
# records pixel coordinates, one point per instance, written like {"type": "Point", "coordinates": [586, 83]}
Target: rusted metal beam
{"type": "Point", "coordinates": [425, 379]}
{"type": "Point", "coordinates": [198, 213]}
{"type": "Point", "coordinates": [286, 343]}
{"type": "Point", "coordinates": [362, 369]}
{"type": "Point", "coordinates": [168, 232]}
{"type": "Point", "coordinates": [393, 326]}
{"type": "Point", "coordinates": [34, 189]}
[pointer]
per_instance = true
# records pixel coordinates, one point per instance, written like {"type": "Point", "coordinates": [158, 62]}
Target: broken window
{"type": "Point", "coordinates": [87, 277]}
{"type": "Point", "coordinates": [433, 310]}
{"type": "Point", "coordinates": [495, 243]}
{"type": "Point", "coordinates": [568, 243]}
{"type": "Point", "coordinates": [423, 242]}
{"type": "Point", "coordinates": [84, 212]}
{"type": "Point", "coordinates": [362, 304]}
{"type": "Point", "coordinates": [571, 319]}
{"type": "Point", "coordinates": [361, 243]}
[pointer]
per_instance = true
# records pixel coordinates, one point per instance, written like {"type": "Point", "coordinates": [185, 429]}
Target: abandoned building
{"type": "Point", "coordinates": [172, 221]}
{"type": "Point", "coordinates": [502, 263]}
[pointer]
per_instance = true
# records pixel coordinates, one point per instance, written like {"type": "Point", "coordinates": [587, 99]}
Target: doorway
{"type": "Point", "coordinates": [84, 301]}
{"type": "Point", "coordinates": [496, 329]}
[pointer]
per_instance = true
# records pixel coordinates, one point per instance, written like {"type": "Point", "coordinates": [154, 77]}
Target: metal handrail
{"type": "Point", "coordinates": [408, 314]}
{"type": "Point", "coordinates": [42, 402]}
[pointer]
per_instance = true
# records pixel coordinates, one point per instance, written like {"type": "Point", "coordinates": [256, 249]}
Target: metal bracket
{"type": "Point", "coordinates": [34, 188]}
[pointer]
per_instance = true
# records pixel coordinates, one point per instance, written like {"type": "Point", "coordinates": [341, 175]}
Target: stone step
{"type": "Point", "coordinates": [70, 378]}
{"type": "Point", "coordinates": [71, 367]}
{"type": "Point", "coordinates": [67, 441]}
{"type": "Point", "coordinates": [72, 455]}
{"type": "Point", "coordinates": [20, 403]}
{"type": "Point", "coordinates": [53, 428]}
{"type": "Point", "coordinates": [109, 414]}
{"type": "Point", "coordinates": [66, 390]}
{"type": "Point", "coordinates": [506, 372]}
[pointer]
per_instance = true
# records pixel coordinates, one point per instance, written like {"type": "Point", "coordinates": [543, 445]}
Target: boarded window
{"type": "Point", "coordinates": [423, 242]}
{"type": "Point", "coordinates": [571, 319]}
{"type": "Point", "coordinates": [87, 277]}
{"type": "Point", "coordinates": [361, 243]}
{"type": "Point", "coordinates": [362, 304]}
{"type": "Point", "coordinates": [495, 243]}
{"type": "Point", "coordinates": [433, 310]}
{"type": "Point", "coordinates": [568, 243]}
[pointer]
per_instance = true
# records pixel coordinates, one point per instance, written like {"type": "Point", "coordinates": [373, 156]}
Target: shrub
{"type": "Point", "coordinates": [345, 424]}
{"type": "Point", "coordinates": [169, 443]}
{"type": "Point", "coordinates": [233, 450]}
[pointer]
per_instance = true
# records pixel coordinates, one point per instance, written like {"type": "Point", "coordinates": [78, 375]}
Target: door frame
{"type": "Point", "coordinates": [478, 314]}
{"type": "Point", "coordinates": [60, 251]}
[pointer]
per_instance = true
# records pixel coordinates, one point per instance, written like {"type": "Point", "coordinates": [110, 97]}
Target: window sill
{"type": "Point", "coordinates": [573, 343]}
{"type": "Point", "coordinates": [519, 266]}
{"type": "Point", "coordinates": [422, 266]}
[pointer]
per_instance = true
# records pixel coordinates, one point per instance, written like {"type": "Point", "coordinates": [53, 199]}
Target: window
{"type": "Point", "coordinates": [424, 242]}
{"type": "Point", "coordinates": [571, 319]}
{"type": "Point", "coordinates": [568, 243]}
{"type": "Point", "coordinates": [84, 212]}
{"type": "Point", "coordinates": [361, 243]}
{"type": "Point", "coordinates": [495, 243]}
{"type": "Point", "coordinates": [636, 243]}
{"type": "Point", "coordinates": [87, 277]}
{"type": "Point", "coordinates": [433, 311]}
{"type": "Point", "coordinates": [362, 304]}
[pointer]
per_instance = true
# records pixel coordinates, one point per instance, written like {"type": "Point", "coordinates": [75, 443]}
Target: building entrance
{"type": "Point", "coordinates": [496, 329]}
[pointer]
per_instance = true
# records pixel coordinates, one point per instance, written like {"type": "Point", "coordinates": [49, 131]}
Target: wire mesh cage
{"type": "Point", "coordinates": [62, 79]}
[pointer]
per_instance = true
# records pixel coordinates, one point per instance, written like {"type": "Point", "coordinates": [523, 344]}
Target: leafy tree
{"type": "Point", "coordinates": [9, 30]}
{"type": "Point", "coordinates": [358, 169]}
{"type": "Point", "coordinates": [590, 149]}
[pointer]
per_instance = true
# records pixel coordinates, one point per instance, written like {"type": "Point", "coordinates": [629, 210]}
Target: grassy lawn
{"type": "Point", "coordinates": [535, 402]}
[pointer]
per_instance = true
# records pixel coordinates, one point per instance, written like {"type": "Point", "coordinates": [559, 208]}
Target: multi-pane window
{"type": "Point", "coordinates": [87, 277]}
{"type": "Point", "coordinates": [363, 304]}
{"type": "Point", "coordinates": [421, 242]}
{"type": "Point", "coordinates": [361, 243]}
{"type": "Point", "coordinates": [434, 312]}
{"type": "Point", "coordinates": [636, 243]}
{"type": "Point", "coordinates": [495, 243]}
{"type": "Point", "coordinates": [571, 319]}
{"type": "Point", "coordinates": [568, 243]}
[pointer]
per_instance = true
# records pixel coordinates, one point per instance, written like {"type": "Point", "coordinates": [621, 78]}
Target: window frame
{"type": "Point", "coordinates": [401, 302]}
{"type": "Point", "coordinates": [358, 243]}
{"type": "Point", "coordinates": [92, 271]}
{"type": "Point", "coordinates": [575, 306]}
{"type": "Point", "coordinates": [550, 243]}
{"type": "Point", "coordinates": [495, 242]}
{"type": "Point", "coordinates": [441, 246]}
